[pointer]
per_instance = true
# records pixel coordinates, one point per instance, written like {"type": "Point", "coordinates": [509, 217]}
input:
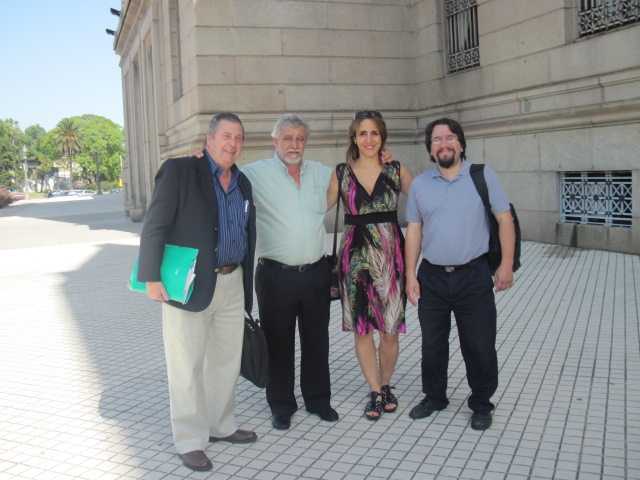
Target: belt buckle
{"type": "Point", "coordinates": [303, 268]}
{"type": "Point", "coordinates": [450, 269]}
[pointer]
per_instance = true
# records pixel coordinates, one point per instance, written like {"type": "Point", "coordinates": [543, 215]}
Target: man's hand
{"type": "Point", "coordinates": [385, 155]}
{"type": "Point", "coordinates": [156, 291]}
{"type": "Point", "coordinates": [503, 278]}
{"type": "Point", "coordinates": [412, 288]}
{"type": "Point", "coordinates": [196, 152]}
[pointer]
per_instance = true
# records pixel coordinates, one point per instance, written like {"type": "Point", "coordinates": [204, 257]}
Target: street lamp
{"type": "Point", "coordinates": [24, 168]}
{"type": "Point", "coordinates": [97, 159]}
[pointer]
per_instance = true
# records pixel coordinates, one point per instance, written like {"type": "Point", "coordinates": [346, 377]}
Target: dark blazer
{"type": "Point", "coordinates": [184, 211]}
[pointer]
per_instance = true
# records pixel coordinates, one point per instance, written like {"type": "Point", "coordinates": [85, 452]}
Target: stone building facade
{"type": "Point", "coordinates": [548, 92]}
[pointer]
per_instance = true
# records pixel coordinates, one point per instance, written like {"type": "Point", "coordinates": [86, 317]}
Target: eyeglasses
{"type": "Point", "coordinates": [367, 114]}
{"type": "Point", "coordinates": [449, 139]}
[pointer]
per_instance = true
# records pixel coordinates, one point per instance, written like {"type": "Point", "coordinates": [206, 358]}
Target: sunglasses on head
{"type": "Point", "coordinates": [367, 114]}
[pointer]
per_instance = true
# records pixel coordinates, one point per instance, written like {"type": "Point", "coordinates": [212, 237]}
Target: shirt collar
{"type": "Point", "coordinates": [464, 170]}
{"type": "Point", "coordinates": [280, 165]}
{"type": "Point", "coordinates": [217, 170]}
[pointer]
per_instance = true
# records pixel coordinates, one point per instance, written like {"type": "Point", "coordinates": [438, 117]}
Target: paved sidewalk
{"type": "Point", "coordinates": [83, 386]}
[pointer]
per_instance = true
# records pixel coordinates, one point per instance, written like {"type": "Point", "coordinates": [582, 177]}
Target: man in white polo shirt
{"type": "Point", "coordinates": [292, 276]}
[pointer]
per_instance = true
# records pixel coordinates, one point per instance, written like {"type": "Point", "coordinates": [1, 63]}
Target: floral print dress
{"type": "Point", "coordinates": [370, 259]}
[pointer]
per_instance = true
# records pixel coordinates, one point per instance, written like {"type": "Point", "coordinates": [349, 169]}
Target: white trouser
{"type": "Point", "coordinates": [203, 351]}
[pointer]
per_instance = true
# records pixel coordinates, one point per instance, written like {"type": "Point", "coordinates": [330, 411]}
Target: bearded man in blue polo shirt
{"type": "Point", "coordinates": [448, 225]}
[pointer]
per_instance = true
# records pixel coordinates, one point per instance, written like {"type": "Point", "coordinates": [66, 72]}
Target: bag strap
{"type": "Point", "coordinates": [477, 175]}
{"type": "Point", "coordinates": [339, 172]}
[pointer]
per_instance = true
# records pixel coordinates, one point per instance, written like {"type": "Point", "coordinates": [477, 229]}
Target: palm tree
{"type": "Point", "coordinates": [68, 142]}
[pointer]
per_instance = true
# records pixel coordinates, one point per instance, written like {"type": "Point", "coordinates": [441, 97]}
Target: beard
{"type": "Point", "coordinates": [292, 161]}
{"type": "Point", "coordinates": [443, 160]}
{"type": "Point", "coordinates": [447, 162]}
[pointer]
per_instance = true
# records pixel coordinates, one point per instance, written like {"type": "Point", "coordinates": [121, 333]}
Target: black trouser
{"type": "Point", "coordinates": [468, 293]}
{"type": "Point", "coordinates": [283, 297]}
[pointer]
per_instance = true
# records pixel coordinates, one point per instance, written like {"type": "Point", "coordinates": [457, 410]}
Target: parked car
{"type": "Point", "coordinates": [115, 190]}
{"type": "Point", "coordinates": [56, 193]}
{"type": "Point", "coordinates": [81, 193]}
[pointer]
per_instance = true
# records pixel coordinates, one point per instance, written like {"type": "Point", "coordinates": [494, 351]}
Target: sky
{"type": "Point", "coordinates": [57, 61]}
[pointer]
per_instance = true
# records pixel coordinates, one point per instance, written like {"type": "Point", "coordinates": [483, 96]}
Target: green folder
{"type": "Point", "coordinates": [176, 273]}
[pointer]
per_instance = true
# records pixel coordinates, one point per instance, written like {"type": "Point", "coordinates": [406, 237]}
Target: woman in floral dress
{"type": "Point", "coordinates": [370, 260]}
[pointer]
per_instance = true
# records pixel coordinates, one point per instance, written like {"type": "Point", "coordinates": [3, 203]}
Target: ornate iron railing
{"type": "Point", "coordinates": [462, 34]}
{"type": "Point", "coordinates": [600, 15]}
{"type": "Point", "coordinates": [596, 198]}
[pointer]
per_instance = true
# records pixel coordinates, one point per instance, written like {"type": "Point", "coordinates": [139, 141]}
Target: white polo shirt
{"type": "Point", "coordinates": [290, 221]}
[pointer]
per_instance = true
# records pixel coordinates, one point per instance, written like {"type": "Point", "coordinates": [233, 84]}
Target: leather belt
{"type": "Point", "coordinates": [454, 268]}
{"type": "Point", "coordinates": [227, 269]}
{"type": "Point", "coordinates": [267, 262]}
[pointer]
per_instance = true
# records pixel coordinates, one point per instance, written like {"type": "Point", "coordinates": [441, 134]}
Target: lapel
{"type": "Point", "coordinates": [207, 187]}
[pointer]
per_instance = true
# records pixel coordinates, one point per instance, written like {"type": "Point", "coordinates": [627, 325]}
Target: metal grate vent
{"type": "Point", "coordinates": [601, 15]}
{"type": "Point", "coordinates": [596, 198]}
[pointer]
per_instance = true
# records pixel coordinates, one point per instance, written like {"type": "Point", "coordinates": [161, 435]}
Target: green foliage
{"type": "Point", "coordinates": [68, 141]}
{"type": "Point", "coordinates": [80, 139]}
{"type": "Point", "coordinates": [10, 149]}
{"type": "Point", "coordinates": [103, 142]}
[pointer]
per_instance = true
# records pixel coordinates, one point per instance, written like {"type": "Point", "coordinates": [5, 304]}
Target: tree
{"type": "Point", "coordinates": [103, 142]}
{"type": "Point", "coordinates": [35, 136]}
{"type": "Point", "coordinates": [10, 144]}
{"type": "Point", "coordinates": [68, 142]}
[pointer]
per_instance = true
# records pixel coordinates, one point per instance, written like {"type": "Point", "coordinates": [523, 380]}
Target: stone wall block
{"type": "Point", "coordinates": [218, 13]}
{"type": "Point", "coordinates": [282, 70]}
{"type": "Point", "coordinates": [566, 150]}
{"type": "Point", "coordinates": [216, 70]}
{"type": "Point", "coordinates": [516, 153]}
{"type": "Point", "coordinates": [238, 41]}
{"type": "Point", "coordinates": [394, 97]}
{"type": "Point", "coordinates": [617, 147]}
{"type": "Point", "coordinates": [331, 43]}
{"type": "Point", "coordinates": [376, 70]}
{"type": "Point", "coordinates": [500, 14]}
{"type": "Point", "coordinates": [390, 18]}
{"type": "Point", "coordinates": [328, 97]}
{"type": "Point", "coordinates": [534, 36]}
{"type": "Point", "coordinates": [519, 74]}
{"type": "Point", "coordinates": [597, 55]}
{"type": "Point", "coordinates": [428, 68]}
{"type": "Point", "coordinates": [279, 14]}
{"type": "Point", "coordinates": [240, 99]}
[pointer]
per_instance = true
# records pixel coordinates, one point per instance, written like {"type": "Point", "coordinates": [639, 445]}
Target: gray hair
{"type": "Point", "coordinates": [290, 120]}
{"type": "Point", "coordinates": [229, 117]}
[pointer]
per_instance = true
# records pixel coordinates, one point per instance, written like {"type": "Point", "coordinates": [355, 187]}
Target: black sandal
{"type": "Point", "coordinates": [388, 398]}
{"type": "Point", "coordinates": [373, 406]}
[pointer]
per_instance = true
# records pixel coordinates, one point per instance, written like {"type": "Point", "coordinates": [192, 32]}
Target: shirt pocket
{"type": "Point", "coordinates": [316, 199]}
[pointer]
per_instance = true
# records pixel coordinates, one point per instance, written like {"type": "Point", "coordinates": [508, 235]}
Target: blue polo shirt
{"type": "Point", "coordinates": [455, 227]}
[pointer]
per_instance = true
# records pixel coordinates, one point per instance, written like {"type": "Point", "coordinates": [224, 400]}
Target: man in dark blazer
{"type": "Point", "coordinates": [204, 203]}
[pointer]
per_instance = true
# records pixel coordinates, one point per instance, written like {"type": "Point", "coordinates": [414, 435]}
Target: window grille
{"type": "Point", "coordinates": [596, 198]}
{"type": "Point", "coordinates": [462, 34]}
{"type": "Point", "coordinates": [601, 15]}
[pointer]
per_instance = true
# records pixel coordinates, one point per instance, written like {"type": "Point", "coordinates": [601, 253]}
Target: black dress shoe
{"type": "Point", "coordinates": [481, 420]}
{"type": "Point", "coordinates": [327, 414]}
{"type": "Point", "coordinates": [423, 409]}
{"type": "Point", "coordinates": [196, 460]}
{"type": "Point", "coordinates": [281, 422]}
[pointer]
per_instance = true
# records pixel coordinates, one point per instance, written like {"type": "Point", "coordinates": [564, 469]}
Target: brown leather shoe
{"type": "Point", "coordinates": [196, 460]}
{"type": "Point", "coordinates": [240, 436]}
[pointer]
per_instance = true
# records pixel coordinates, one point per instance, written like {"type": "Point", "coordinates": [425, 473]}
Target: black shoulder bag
{"type": "Point", "coordinates": [494, 255]}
